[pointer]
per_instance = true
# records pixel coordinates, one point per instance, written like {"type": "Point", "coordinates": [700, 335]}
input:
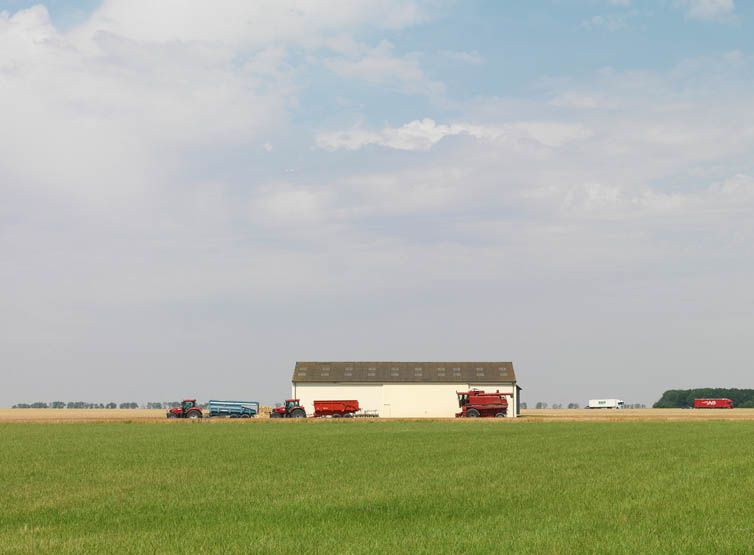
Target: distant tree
{"type": "Point", "coordinates": [684, 398]}
{"type": "Point", "coordinates": [524, 406]}
{"type": "Point", "coordinates": [154, 405]}
{"type": "Point", "coordinates": [541, 405]}
{"type": "Point", "coordinates": [58, 405]}
{"type": "Point", "coordinates": [40, 405]}
{"type": "Point", "coordinates": [573, 405]}
{"type": "Point", "coordinates": [111, 406]}
{"type": "Point", "coordinates": [22, 406]}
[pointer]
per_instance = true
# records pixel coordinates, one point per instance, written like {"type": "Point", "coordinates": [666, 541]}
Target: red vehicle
{"type": "Point", "coordinates": [188, 409]}
{"type": "Point", "coordinates": [713, 404]}
{"type": "Point", "coordinates": [336, 409]}
{"type": "Point", "coordinates": [476, 403]}
{"type": "Point", "coordinates": [291, 409]}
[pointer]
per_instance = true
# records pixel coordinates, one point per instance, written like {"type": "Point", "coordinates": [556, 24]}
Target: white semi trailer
{"type": "Point", "coordinates": [605, 404]}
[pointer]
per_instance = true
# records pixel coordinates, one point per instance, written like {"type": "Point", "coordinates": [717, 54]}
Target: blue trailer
{"type": "Point", "coordinates": [233, 409]}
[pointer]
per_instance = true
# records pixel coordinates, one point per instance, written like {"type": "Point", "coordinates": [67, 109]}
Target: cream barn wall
{"type": "Point", "coordinates": [397, 400]}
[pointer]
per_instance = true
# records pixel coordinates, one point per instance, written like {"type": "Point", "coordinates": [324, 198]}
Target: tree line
{"type": "Point", "coordinates": [684, 398]}
{"type": "Point", "coordinates": [85, 405]}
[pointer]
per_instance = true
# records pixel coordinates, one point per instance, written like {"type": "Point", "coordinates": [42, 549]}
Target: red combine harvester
{"type": "Point", "coordinates": [476, 403]}
{"type": "Point", "coordinates": [713, 404]}
{"type": "Point", "coordinates": [335, 409]}
{"type": "Point", "coordinates": [188, 409]}
{"type": "Point", "coordinates": [291, 409]}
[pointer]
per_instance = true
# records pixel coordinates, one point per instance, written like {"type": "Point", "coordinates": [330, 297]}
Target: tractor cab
{"type": "Point", "coordinates": [188, 409]}
{"type": "Point", "coordinates": [291, 409]}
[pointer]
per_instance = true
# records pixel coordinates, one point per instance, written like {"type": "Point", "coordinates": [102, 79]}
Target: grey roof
{"type": "Point", "coordinates": [404, 372]}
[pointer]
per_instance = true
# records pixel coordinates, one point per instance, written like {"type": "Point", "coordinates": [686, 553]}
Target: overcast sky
{"type": "Point", "coordinates": [194, 195]}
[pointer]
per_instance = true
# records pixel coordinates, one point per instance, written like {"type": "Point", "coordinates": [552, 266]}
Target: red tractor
{"type": "Point", "coordinates": [291, 409]}
{"type": "Point", "coordinates": [188, 409]}
{"type": "Point", "coordinates": [476, 403]}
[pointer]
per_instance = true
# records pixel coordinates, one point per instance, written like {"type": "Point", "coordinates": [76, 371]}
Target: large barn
{"type": "Point", "coordinates": [402, 389]}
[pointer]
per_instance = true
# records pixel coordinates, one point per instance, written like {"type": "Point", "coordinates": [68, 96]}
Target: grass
{"type": "Point", "coordinates": [377, 487]}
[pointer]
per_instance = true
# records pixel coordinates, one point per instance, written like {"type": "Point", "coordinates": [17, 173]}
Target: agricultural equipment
{"type": "Point", "coordinates": [605, 404]}
{"type": "Point", "coordinates": [336, 409]}
{"type": "Point", "coordinates": [476, 403]}
{"type": "Point", "coordinates": [188, 409]}
{"type": "Point", "coordinates": [291, 409]}
{"type": "Point", "coordinates": [233, 409]}
{"type": "Point", "coordinates": [713, 404]}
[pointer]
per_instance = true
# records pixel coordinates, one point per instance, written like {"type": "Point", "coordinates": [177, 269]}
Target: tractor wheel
{"type": "Point", "coordinates": [172, 415]}
{"type": "Point", "coordinates": [245, 415]}
{"type": "Point", "coordinates": [298, 413]}
{"type": "Point", "coordinates": [274, 415]}
{"type": "Point", "coordinates": [500, 415]}
{"type": "Point", "coordinates": [472, 413]}
{"type": "Point", "coordinates": [348, 415]}
{"type": "Point", "coordinates": [194, 415]}
{"type": "Point", "coordinates": [336, 415]}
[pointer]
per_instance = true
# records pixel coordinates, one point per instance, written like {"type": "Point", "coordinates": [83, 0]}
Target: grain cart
{"type": "Point", "coordinates": [291, 409]}
{"type": "Point", "coordinates": [188, 409]}
{"type": "Point", "coordinates": [476, 403]}
{"type": "Point", "coordinates": [233, 409]}
{"type": "Point", "coordinates": [336, 409]}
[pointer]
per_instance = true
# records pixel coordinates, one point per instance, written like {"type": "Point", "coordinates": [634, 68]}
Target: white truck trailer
{"type": "Point", "coordinates": [605, 404]}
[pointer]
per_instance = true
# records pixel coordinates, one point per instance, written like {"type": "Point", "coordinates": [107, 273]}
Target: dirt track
{"type": "Point", "coordinates": [531, 415]}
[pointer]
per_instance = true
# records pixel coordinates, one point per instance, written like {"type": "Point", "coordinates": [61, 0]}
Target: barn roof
{"type": "Point", "coordinates": [404, 372]}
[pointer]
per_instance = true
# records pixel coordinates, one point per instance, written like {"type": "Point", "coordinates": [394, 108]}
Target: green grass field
{"type": "Point", "coordinates": [377, 487]}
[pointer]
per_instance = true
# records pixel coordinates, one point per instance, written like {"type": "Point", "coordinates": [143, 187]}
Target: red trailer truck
{"type": "Point", "coordinates": [713, 404]}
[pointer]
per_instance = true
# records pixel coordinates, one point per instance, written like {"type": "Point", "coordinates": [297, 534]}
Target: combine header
{"type": "Point", "coordinates": [476, 404]}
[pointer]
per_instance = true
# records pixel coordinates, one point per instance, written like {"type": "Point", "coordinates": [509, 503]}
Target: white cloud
{"type": "Point", "coordinates": [707, 9]}
{"type": "Point", "coordinates": [256, 23]}
{"type": "Point", "coordinates": [610, 22]}
{"type": "Point", "coordinates": [380, 66]}
{"type": "Point", "coordinates": [422, 135]}
{"type": "Point", "coordinates": [471, 58]}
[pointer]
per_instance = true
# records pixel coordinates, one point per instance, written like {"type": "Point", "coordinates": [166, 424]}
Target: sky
{"type": "Point", "coordinates": [195, 195]}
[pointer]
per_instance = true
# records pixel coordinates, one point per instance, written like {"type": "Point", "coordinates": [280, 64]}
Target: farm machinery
{"type": "Point", "coordinates": [334, 409]}
{"type": "Point", "coordinates": [230, 409]}
{"type": "Point", "coordinates": [188, 409]}
{"type": "Point", "coordinates": [476, 404]}
{"type": "Point", "coordinates": [291, 409]}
